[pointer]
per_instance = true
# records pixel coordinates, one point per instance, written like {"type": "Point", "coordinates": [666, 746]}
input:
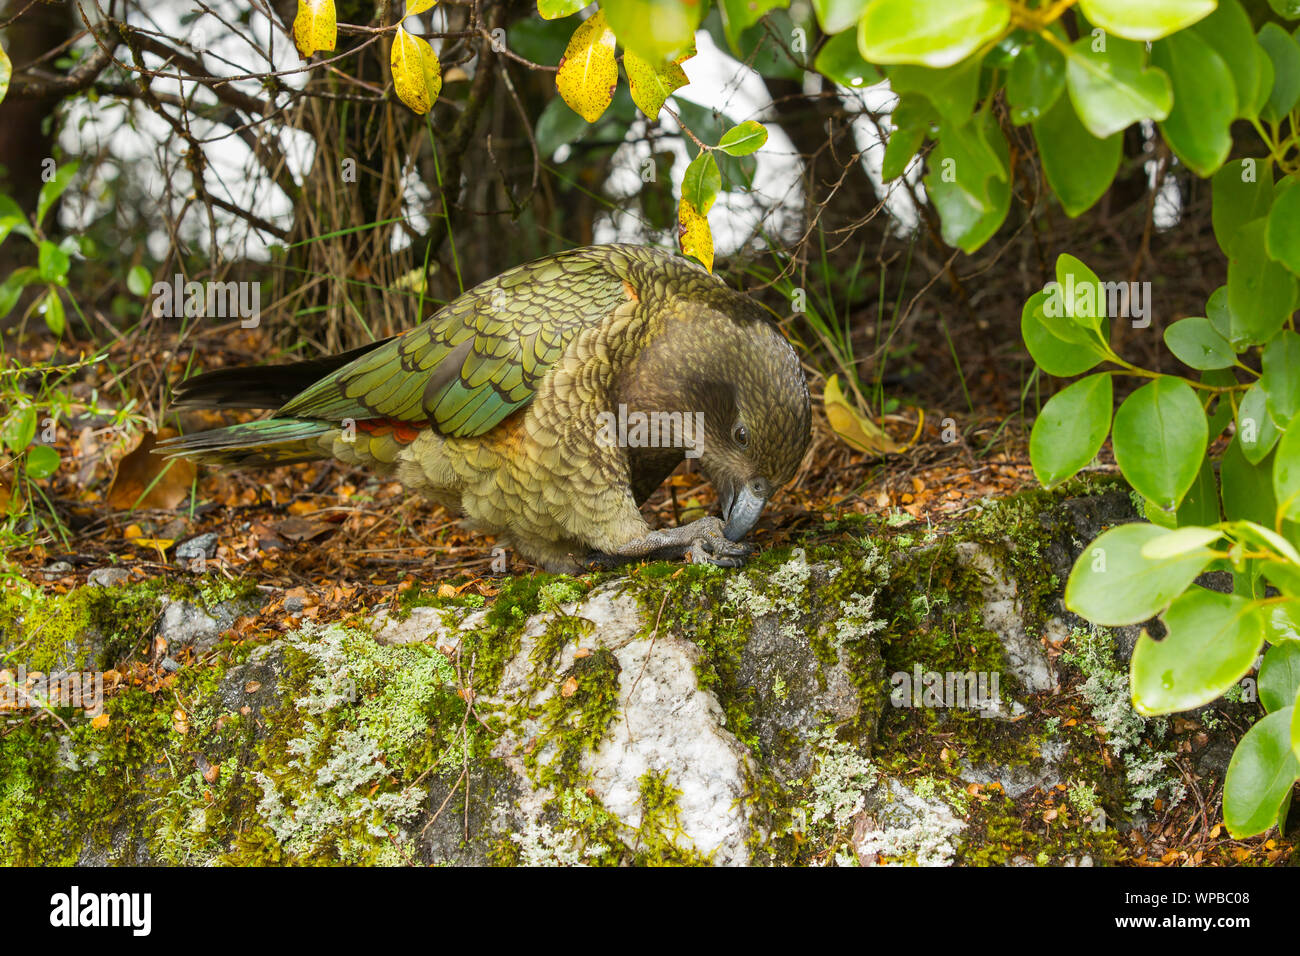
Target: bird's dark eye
{"type": "Point", "coordinates": [739, 435]}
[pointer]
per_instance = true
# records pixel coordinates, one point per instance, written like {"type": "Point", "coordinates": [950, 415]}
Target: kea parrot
{"type": "Point", "coordinates": [522, 405]}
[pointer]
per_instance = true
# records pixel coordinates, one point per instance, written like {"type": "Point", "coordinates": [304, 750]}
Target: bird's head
{"type": "Point", "coordinates": [734, 372]}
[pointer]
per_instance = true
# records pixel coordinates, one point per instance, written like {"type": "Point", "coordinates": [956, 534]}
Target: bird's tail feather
{"type": "Point", "coordinates": [273, 441]}
{"type": "Point", "coordinates": [260, 386]}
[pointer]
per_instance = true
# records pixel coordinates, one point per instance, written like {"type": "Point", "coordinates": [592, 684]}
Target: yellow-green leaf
{"type": "Point", "coordinates": [854, 428]}
{"type": "Point", "coordinates": [650, 87]}
{"type": "Point", "coordinates": [315, 28]}
{"type": "Point", "coordinates": [417, 75]}
{"type": "Point", "coordinates": [694, 234]}
{"type": "Point", "coordinates": [417, 7]}
{"type": "Point", "coordinates": [554, 9]}
{"type": "Point", "coordinates": [588, 72]}
{"type": "Point", "coordinates": [6, 71]}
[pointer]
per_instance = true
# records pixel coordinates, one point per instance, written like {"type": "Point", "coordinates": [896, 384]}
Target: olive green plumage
{"type": "Point", "coordinates": [500, 406]}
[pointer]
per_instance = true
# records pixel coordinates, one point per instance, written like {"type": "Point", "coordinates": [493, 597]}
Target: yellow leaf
{"type": "Point", "coordinates": [417, 75]}
{"type": "Point", "coordinates": [588, 71]}
{"type": "Point", "coordinates": [855, 429]}
{"type": "Point", "coordinates": [417, 7]}
{"type": "Point", "coordinates": [315, 27]}
{"type": "Point", "coordinates": [650, 87]}
{"type": "Point", "coordinates": [6, 71]}
{"type": "Point", "coordinates": [694, 235]}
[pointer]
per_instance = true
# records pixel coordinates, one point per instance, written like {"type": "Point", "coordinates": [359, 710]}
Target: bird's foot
{"type": "Point", "coordinates": [700, 542]}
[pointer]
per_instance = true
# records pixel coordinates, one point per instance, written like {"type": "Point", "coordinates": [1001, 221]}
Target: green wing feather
{"type": "Point", "coordinates": [485, 353]}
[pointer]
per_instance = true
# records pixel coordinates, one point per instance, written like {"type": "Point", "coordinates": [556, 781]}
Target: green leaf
{"type": "Point", "coordinates": [1113, 88]}
{"type": "Point", "coordinates": [1082, 297]}
{"type": "Point", "coordinates": [1260, 776]}
{"type": "Point", "coordinates": [1201, 503]}
{"type": "Point", "coordinates": [1284, 53]}
{"type": "Point", "coordinates": [936, 34]}
{"type": "Point", "coordinates": [42, 461]}
{"type": "Point", "coordinates": [1256, 430]}
{"type": "Point", "coordinates": [1261, 292]}
{"type": "Point", "coordinates": [20, 429]}
{"type": "Point", "coordinates": [1286, 474]}
{"type": "Point", "coordinates": [1079, 166]}
{"type": "Point", "coordinates": [1295, 731]}
{"type": "Point", "coordinates": [1286, 8]}
{"type": "Point", "coordinates": [1211, 644]}
{"type": "Point", "coordinates": [12, 288]}
{"type": "Point", "coordinates": [139, 281]}
{"type": "Point", "coordinates": [558, 126]}
{"type": "Point", "coordinates": [1071, 428]}
{"type": "Point", "coordinates": [1035, 82]}
{"type": "Point", "coordinates": [1242, 193]}
{"type": "Point", "coordinates": [1196, 342]}
{"type": "Point", "coordinates": [738, 16]}
{"type": "Point", "coordinates": [1148, 20]}
{"type": "Point", "coordinates": [1112, 584]}
{"type": "Point", "coordinates": [952, 92]}
{"type": "Point", "coordinates": [655, 30]}
{"type": "Point", "coordinates": [52, 190]}
{"type": "Point", "coordinates": [6, 73]}
{"type": "Point", "coordinates": [912, 118]}
{"type": "Point", "coordinates": [554, 9]}
{"type": "Point", "coordinates": [651, 86]}
{"type": "Point", "coordinates": [1159, 440]}
{"type": "Point", "coordinates": [1180, 542]}
{"type": "Point", "coordinates": [1205, 101]}
{"type": "Point", "coordinates": [702, 182]}
{"type": "Point", "coordinates": [839, 61]}
{"type": "Point", "coordinates": [1265, 88]}
{"type": "Point", "coordinates": [1280, 380]}
{"type": "Point", "coordinates": [1229, 31]}
{"type": "Point", "coordinates": [744, 139]}
{"type": "Point", "coordinates": [53, 264]}
{"type": "Point", "coordinates": [1053, 354]}
{"type": "Point", "coordinates": [52, 306]}
{"type": "Point", "coordinates": [1279, 676]}
{"type": "Point", "coordinates": [1247, 488]}
{"type": "Point", "coordinates": [1283, 237]}
{"type": "Point", "coordinates": [968, 182]}
{"type": "Point", "coordinates": [836, 16]}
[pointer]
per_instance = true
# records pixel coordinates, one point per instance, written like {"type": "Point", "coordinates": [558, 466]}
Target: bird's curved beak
{"type": "Point", "coordinates": [741, 511]}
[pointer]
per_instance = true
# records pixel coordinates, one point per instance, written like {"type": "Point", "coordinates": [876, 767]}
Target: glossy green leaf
{"type": "Point", "coordinates": [1256, 430]}
{"type": "Point", "coordinates": [1146, 20]}
{"type": "Point", "coordinates": [1112, 584]}
{"type": "Point", "coordinates": [913, 118]}
{"type": "Point", "coordinates": [1198, 343]}
{"type": "Point", "coordinates": [739, 15]}
{"type": "Point", "coordinates": [1071, 429]}
{"type": "Point", "coordinates": [1284, 53]}
{"type": "Point", "coordinates": [1280, 380]}
{"type": "Point", "coordinates": [839, 61]}
{"type": "Point", "coordinates": [1211, 643]}
{"type": "Point", "coordinates": [1053, 354]}
{"type": "Point", "coordinates": [1260, 776]}
{"type": "Point", "coordinates": [1205, 101]}
{"type": "Point", "coordinates": [936, 34]}
{"type": "Point", "coordinates": [655, 30]}
{"type": "Point", "coordinates": [1242, 193]}
{"type": "Point", "coordinates": [1279, 676]}
{"type": "Point", "coordinates": [952, 92]}
{"type": "Point", "coordinates": [1079, 166]}
{"type": "Point", "coordinates": [42, 461]}
{"type": "Point", "coordinates": [1229, 31]}
{"type": "Point", "coordinates": [19, 430]}
{"type": "Point", "coordinates": [554, 9]}
{"type": "Point", "coordinates": [1247, 487]}
{"type": "Point", "coordinates": [1159, 439]}
{"type": "Point", "coordinates": [1283, 237]}
{"type": "Point", "coordinates": [52, 309]}
{"type": "Point", "coordinates": [702, 182]}
{"type": "Point", "coordinates": [1035, 81]}
{"type": "Point", "coordinates": [744, 139]}
{"type": "Point", "coordinates": [1286, 474]}
{"type": "Point", "coordinates": [1261, 292]}
{"type": "Point", "coordinates": [836, 16]}
{"type": "Point", "coordinates": [1113, 88]}
{"type": "Point", "coordinates": [968, 182]}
